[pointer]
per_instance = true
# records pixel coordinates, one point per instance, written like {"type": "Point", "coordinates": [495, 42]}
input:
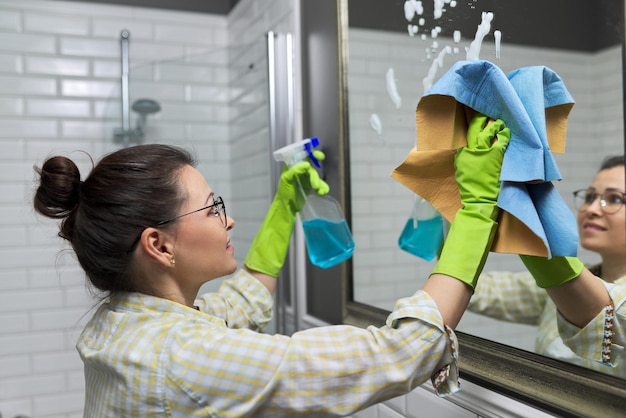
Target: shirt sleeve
{"type": "Point", "coordinates": [336, 369]}
{"type": "Point", "coordinates": [603, 339]}
{"type": "Point", "coordinates": [508, 296]}
{"type": "Point", "coordinates": [242, 301]}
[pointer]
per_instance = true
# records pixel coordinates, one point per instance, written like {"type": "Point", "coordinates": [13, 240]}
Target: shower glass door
{"type": "Point", "coordinates": [221, 105]}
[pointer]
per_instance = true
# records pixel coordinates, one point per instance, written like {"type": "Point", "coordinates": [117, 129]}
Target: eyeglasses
{"type": "Point", "coordinates": [610, 201]}
{"type": "Point", "coordinates": [218, 208]}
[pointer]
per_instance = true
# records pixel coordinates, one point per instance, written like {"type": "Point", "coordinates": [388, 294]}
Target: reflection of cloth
{"type": "Point", "coordinates": [144, 353]}
{"type": "Point", "coordinates": [534, 103]}
{"type": "Point", "coordinates": [514, 297]}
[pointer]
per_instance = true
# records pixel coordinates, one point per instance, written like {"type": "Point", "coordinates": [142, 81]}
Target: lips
{"type": "Point", "coordinates": [591, 226]}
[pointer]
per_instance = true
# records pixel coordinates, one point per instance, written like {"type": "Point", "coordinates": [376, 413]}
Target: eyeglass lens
{"type": "Point", "coordinates": [610, 201]}
{"type": "Point", "coordinates": [220, 208]}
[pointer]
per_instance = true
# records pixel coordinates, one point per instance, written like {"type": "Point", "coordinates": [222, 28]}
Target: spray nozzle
{"type": "Point", "coordinates": [298, 151]}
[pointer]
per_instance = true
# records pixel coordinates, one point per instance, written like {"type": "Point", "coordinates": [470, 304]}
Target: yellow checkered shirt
{"type": "Point", "coordinates": [514, 297]}
{"type": "Point", "coordinates": [150, 357]}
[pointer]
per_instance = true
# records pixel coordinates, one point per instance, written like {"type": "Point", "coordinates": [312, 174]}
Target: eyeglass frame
{"type": "Point", "coordinates": [603, 202]}
{"type": "Point", "coordinates": [218, 202]}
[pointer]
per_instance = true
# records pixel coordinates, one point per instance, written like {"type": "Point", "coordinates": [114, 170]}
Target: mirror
{"type": "Point", "coordinates": [393, 49]}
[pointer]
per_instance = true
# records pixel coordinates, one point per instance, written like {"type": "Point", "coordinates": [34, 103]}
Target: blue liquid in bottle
{"type": "Point", "coordinates": [425, 239]}
{"type": "Point", "coordinates": [328, 243]}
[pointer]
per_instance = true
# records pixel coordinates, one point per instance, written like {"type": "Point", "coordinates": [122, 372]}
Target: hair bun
{"type": "Point", "coordinates": [59, 185]}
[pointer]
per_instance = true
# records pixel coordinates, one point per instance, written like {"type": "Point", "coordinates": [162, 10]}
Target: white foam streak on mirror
{"type": "Point", "coordinates": [392, 89]}
{"type": "Point", "coordinates": [438, 9]}
{"type": "Point", "coordinates": [473, 52]}
{"type": "Point", "coordinates": [436, 64]}
{"type": "Point", "coordinates": [497, 35]}
{"type": "Point", "coordinates": [376, 124]}
{"type": "Point", "coordinates": [457, 36]}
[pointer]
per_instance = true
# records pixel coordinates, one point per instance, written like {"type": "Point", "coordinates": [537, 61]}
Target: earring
{"type": "Point", "coordinates": [172, 261]}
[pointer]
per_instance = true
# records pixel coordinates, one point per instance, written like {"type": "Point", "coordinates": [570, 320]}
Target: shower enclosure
{"type": "Point", "coordinates": [231, 107]}
{"type": "Point", "coordinates": [143, 107]}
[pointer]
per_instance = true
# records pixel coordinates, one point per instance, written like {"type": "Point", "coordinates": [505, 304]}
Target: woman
{"type": "Point", "coordinates": [580, 321]}
{"type": "Point", "coordinates": [149, 231]}
{"type": "Point", "coordinates": [602, 219]}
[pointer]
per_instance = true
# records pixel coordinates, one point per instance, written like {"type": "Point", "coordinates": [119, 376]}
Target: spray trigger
{"type": "Point", "coordinates": [309, 149]}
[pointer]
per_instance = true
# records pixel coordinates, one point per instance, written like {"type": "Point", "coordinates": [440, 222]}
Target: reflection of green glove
{"type": "Point", "coordinates": [269, 247]}
{"type": "Point", "coordinates": [552, 272]}
{"type": "Point", "coordinates": [477, 172]}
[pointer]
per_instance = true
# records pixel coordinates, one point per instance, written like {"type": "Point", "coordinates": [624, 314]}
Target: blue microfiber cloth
{"type": "Point", "coordinates": [534, 103]}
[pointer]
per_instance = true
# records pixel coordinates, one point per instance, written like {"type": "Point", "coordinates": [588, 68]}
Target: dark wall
{"type": "Point", "coordinates": [200, 6]}
{"type": "Point", "coordinates": [580, 25]}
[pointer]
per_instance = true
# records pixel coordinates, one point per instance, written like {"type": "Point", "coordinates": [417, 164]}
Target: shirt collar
{"type": "Point", "coordinates": [154, 306]}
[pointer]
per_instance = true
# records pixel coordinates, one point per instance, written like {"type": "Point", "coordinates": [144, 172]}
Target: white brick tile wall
{"type": "Point", "coordinates": [11, 64]}
{"type": "Point", "coordinates": [14, 365]}
{"type": "Point", "coordinates": [169, 33]}
{"type": "Point", "coordinates": [10, 20]}
{"type": "Point", "coordinates": [89, 88]}
{"type": "Point", "coordinates": [11, 106]}
{"type": "Point", "coordinates": [58, 108]}
{"type": "Point", "coordinates": [56, 66]}
{"type": "Point", "coordinates": [55, 405]}
{"type": "Point", "coordinates": [43, 384]}
{"type": "Point", "coordinates": [421, 403]}
{"type": "Point", "coordinates": [27, 86]}
{"type": "Point", "coordinates": [55, 362]}
{"type": "Point", "coordinates": [15, 407]}
{"type": "Point", "coordinates": [59, 24]}
{"type": "Point", "coordinates": [106, 27]}
{"type": "Point", "coordinates": [14, 322]}
{"type": "Point", "coordinates": [25, 343]}
{"type": "Point", "coordinates": [19, 42]}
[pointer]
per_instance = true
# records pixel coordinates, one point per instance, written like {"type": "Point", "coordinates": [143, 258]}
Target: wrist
{"type": "Point", "coordinates": [467, 246]}
{"type": "Point", "coordinates": [553, 272]}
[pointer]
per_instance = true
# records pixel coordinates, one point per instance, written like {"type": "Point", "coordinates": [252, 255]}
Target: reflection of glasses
{"type": "Point", "coordinates": [610, 201]}
{"type": "Point", "coordinates": [218, 208]}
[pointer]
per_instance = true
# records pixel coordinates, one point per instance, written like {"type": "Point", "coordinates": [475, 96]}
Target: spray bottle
{"type": "Point", "coordinates": [328, 238]}
{"type": "Point", "coordinates": [423, 232]}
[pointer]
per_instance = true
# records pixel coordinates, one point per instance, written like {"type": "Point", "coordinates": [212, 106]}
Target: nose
{"type": "Point", "coordinates": [595, 206]}
{"type": "Point", "coordinates": [230, 224]}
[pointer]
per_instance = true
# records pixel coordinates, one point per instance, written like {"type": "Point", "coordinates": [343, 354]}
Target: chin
{"type": "Point", "coordinates": [590, 246]}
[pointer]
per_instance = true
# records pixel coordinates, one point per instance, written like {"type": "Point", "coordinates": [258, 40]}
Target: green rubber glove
{"type": "Point", "coordinates": [269, 247]}
{"type": "Point", "coordinates": [549, 273]}
{"type": "Point", "coordinates": [477, 173]}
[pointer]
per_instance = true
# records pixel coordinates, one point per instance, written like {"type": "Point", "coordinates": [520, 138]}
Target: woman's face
{"type": "Point", "coordinates": [601, 232]}
{"type": "Point", "coordinates": [202, 246]}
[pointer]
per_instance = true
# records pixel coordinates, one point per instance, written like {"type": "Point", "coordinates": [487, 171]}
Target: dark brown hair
{"type": "Point", "coordinates": [613, 161]}
{"type": "Point", "coordinates": [127, 191]}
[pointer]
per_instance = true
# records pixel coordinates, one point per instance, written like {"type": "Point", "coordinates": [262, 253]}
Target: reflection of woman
{"type": "Point", "coordinates": [577, 320]}
{"type": "Point", "coordinates": [149, 231]}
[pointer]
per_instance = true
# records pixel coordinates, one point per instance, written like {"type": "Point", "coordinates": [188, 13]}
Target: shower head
{"type": "Point", "coordinates": [146, 106]}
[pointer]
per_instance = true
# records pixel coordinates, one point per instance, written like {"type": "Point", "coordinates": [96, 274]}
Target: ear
{"type": "Point", "coordinates": [157, 245]}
